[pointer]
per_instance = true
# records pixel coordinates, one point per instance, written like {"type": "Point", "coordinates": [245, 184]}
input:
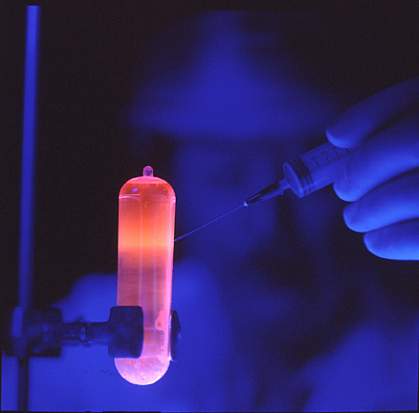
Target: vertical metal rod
{"type": "Point", "coordinates": [23, 384]}
{"type": "Point", "coordinates": [26, 233]}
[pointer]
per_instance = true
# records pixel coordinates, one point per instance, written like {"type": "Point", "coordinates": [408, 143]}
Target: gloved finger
{"type": "Point", "coordinates": [396, 242]}
{"type": "Point", "coordinates": [394, 201]}
{"type": "Point", "coordinates": [365, 118]}
{"type": "Point", "coordinates": [391, 152]}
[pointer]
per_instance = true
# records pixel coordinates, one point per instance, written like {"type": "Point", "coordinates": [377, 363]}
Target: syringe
{"type": "Point", "coordinates": [307, 173]}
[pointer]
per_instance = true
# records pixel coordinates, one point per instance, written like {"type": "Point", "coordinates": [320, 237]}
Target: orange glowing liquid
{"type": "Point", "coordinates": [145, 262]}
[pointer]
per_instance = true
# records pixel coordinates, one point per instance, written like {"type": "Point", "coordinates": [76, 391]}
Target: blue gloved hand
{"type": "Point", "coordinates": [381, 176]}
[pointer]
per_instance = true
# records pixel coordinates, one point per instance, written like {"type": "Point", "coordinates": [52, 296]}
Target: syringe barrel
{"type": "Point", "coordinates": [314, 169]}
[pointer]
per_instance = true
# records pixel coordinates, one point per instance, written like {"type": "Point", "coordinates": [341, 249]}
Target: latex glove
{"type": "Point", "coordinates": [381, 176]}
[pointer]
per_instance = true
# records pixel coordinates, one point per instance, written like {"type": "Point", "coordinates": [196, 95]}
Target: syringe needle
{"type": "Point", "coordinates": [217, 218]}
{"type": "Point", "coordinates": [310, 172]}
{"type": "Point", "coordinates": [266, 193]}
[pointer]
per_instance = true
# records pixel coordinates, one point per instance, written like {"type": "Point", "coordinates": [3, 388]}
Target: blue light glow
{"type": "Point", "coordinates": [28, 157]}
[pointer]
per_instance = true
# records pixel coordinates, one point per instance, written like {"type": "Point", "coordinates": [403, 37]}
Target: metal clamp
{"type": "Point", "coordinates": [43, 333]}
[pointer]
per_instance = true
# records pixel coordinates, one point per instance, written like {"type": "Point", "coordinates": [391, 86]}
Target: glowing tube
{"type": "Point", "coordinates": [145, 261]}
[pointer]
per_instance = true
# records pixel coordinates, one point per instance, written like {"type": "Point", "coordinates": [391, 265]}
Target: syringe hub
{"type": "Point", "coordinates": [270, 191]}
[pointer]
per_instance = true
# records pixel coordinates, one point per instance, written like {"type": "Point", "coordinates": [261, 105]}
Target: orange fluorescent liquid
{"type": "Point", "coordinates": [145, 262]}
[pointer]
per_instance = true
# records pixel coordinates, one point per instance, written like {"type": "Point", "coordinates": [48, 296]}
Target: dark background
{"type": "Point", "coordinates": [90, 63]}
{"type": "Point", "coordinates": [92, 59]}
